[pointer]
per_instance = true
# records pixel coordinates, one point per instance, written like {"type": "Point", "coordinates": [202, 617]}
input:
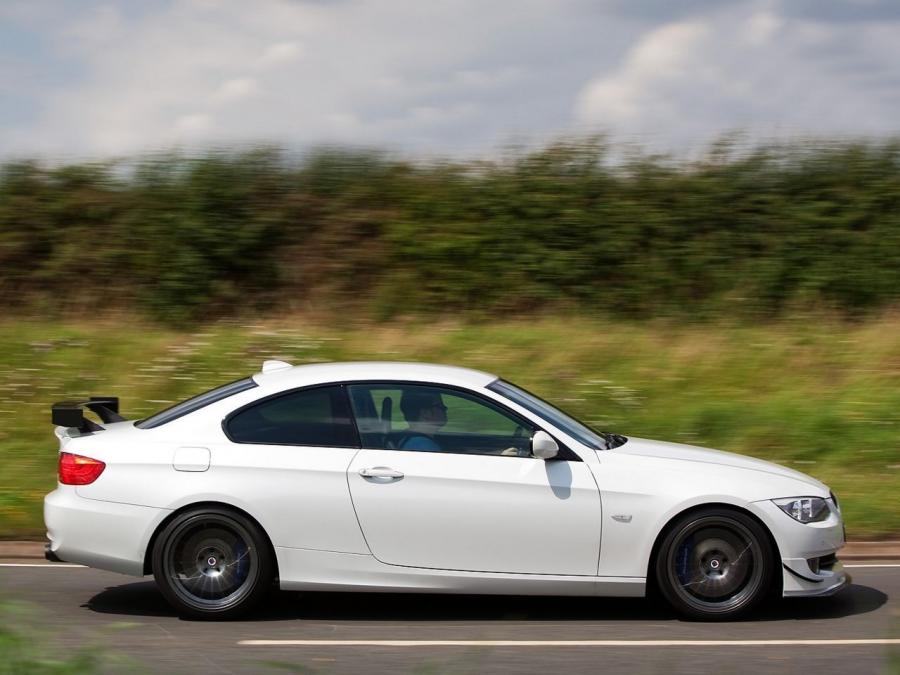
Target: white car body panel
{"type": "Point", "coordinates": [106, 535]}
{"type": "Point", "coordinates": [453, 523]}
{"type": "Point", "coordinates": [325, 570]}
{"type": "Point", "coordinates": [298, 495]}
{"type": "Point", "coordinates": [654, 489]}
{"type": "Point", "coordinates": [548, 512]}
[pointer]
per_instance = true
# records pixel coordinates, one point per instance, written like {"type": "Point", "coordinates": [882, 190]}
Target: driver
{"type": "Point", "coordinates": [426, 414]}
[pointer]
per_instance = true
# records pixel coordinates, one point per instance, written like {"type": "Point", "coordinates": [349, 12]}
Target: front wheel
{"type": "Point", "coordinates": [212, 563]}
{"type": "Point", "coordinates": [715, 564]}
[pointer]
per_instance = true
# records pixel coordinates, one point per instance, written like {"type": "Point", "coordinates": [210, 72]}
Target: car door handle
{"type": "Point", "coordinates": [382, 472]}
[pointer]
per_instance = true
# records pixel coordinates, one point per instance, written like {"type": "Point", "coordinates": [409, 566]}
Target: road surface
{"type": "Point", "coordinates": [857, 631]}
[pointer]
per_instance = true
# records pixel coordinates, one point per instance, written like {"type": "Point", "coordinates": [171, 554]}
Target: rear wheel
{"type": "Point", "coordinates": [715, 564]}
{"type": "Point", "coordinates": [212, 563]}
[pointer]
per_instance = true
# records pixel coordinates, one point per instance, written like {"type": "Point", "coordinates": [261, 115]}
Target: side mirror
{"type": "Point", "coordinates": [543, 446]}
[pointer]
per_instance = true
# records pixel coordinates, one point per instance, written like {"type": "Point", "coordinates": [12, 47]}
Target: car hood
{"type": "Point", "coordinates": [692, 453]}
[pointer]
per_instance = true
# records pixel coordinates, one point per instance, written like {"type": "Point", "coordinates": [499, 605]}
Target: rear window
{"type": "Point", "coordinates": [195, 403]}
{"type": "Point", "coordinates": [318, 417]}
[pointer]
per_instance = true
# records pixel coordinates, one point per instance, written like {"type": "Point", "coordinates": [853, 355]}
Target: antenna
{"type": "Point", "coordinates": [273, 365]}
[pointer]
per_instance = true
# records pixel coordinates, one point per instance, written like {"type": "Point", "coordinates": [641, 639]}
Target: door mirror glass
{"type": "Point", "coordinates": [543, 446]}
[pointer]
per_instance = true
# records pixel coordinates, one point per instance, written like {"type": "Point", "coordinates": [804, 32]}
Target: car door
{"type": "Point", "coordinates": [287, 460]}
{"type": "Point", "coordinates": [467, 496]}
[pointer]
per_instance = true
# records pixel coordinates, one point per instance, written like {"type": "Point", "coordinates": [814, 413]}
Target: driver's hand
{"type": "Point", "coordinates": [510, 452]}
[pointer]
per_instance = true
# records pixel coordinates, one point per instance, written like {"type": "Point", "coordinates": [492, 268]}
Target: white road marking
{"type": "Point", "coordinates": [86, 567]}
{"type": "Point", "coordinates": [560, 643]}
{"type": "Point", "coordinates": [41, 565]}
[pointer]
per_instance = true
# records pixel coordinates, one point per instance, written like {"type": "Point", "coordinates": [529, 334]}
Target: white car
{"type": "Point", "coordinates": [424, 478]}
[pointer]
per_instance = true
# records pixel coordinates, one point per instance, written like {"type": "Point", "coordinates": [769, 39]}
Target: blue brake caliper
{"type": "Point", "coordinates": [243, 561]}
{"type": "Point", "coordinates": [682, 561]}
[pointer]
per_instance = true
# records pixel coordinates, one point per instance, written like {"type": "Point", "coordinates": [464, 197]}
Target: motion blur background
{"type": "Point", "coordinates": [678, 220]}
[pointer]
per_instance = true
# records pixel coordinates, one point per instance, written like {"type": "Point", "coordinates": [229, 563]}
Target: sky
{"type": "Point", "coordinates": [90, 78]}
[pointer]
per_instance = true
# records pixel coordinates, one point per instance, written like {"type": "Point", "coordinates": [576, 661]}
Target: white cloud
{"type": "Point", "coordinates": [403, 73]}
{"type": "Point", "coordinates": [747, 68]}
{"type": "Point", "coordinates": [463, 76]}
{"type": "Point", "coordinates": [662, 57]}
{"type": "Point", "coordinates": [194, 124]}
{"type": "Point", "coordinates": [762, 26]}
{"type": "Point", "coordinates": [236, 89]}
{"type": "Point", "coordinates": [281, 52]}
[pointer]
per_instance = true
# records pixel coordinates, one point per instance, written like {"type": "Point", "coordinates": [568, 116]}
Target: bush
{"type": "Point", "coordinates": [576, 224]}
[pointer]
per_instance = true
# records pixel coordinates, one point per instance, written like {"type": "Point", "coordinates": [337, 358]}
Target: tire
{"type": "Point", "coordinates": [715, 564]}
{"type": "Point", "coordinates": [212, 563]}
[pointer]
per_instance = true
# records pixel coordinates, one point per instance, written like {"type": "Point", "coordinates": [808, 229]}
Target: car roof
{"type": "Point", "coordinates": [286, 376]}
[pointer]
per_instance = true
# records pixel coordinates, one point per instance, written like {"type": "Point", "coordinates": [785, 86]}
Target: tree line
{"type": "Point", "coordinates": [578, 225]}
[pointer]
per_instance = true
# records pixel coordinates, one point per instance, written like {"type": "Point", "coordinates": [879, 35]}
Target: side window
{"type": "Point", "coordinates": [316, 417]}
{"type": "Point", "coordinates": [195, 403]}
{"type": "Point", "coordinates": [436, 419]}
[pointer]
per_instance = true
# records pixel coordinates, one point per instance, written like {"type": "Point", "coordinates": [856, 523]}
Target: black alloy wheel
{"type": "Point", "coordinates": [715, 564]}
{"type": "Point", "coordinates": [212, 563]}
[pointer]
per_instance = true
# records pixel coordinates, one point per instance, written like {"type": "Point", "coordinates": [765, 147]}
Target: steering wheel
{"type": "Point", "coordinates": [515, 450]}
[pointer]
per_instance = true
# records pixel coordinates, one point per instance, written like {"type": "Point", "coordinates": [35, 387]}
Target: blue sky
{"type": "Point", "coordinates": [89, 78]}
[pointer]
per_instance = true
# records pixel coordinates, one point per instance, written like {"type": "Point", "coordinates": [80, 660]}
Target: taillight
{"type": "Point", "coordinates": [78, 470]}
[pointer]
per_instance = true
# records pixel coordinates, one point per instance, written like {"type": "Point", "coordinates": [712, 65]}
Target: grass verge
{"type": "Point", "coordinates": [817, 395]}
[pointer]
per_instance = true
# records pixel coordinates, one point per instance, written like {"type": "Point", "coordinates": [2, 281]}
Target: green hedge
{"type": "Point", "coordinates": [577, 224]}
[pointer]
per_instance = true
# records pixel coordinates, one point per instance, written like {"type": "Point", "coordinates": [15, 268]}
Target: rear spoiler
{"type": "Point", "coordinates": [71, 413]}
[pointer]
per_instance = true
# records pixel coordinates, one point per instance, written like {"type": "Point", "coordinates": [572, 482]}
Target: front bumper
{"type": "Point", "coordinates": [837, 583]}
{"type": "Point", "coordinates": [809, 565]}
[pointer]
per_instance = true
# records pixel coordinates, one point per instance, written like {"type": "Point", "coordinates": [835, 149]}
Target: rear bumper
{"type": "Point", "coordinates": [105, 535]}
{"type": "Point", "coordinates": [51, 556]}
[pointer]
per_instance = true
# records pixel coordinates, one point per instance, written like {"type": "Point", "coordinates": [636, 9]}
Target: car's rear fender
{"type": "Point", "coordinates": [199, 505]}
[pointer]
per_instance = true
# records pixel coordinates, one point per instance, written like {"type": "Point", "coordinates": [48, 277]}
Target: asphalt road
{"type": "Point", "coordinates": [77, 606]}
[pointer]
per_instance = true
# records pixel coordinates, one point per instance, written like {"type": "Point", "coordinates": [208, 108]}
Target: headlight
{"type": "Point", "coordinates": [804, 509]}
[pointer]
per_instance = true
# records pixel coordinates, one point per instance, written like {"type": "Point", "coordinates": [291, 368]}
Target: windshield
{"type": "Point", "coordinates": [195, 403]}
{"type": "Point", "coordinates": [597, 440]}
